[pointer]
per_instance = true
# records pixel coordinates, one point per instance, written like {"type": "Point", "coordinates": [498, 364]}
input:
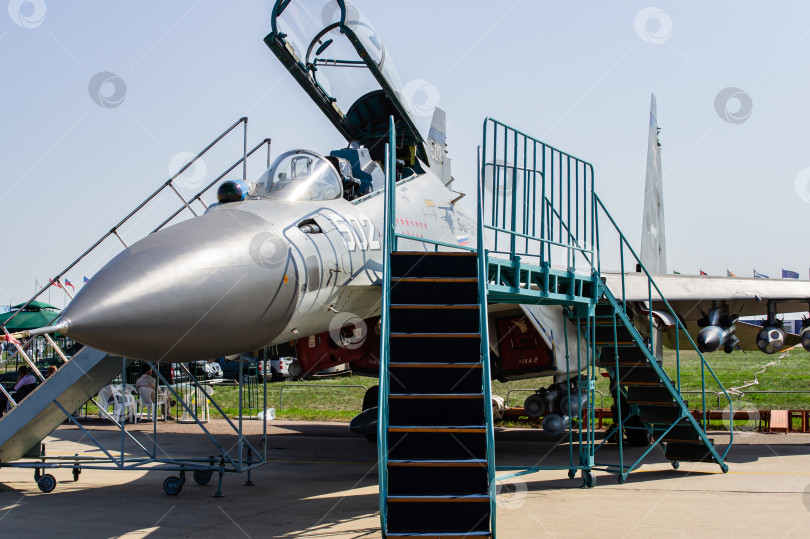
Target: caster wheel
{"type": "Point", "coordinates": [202, 477]}
{"type": "Point", "coordinates": [173, 485]}
{"type": "Point", "coordinates": [589, 479]}
{"type": "Point", "coordinates": [724, 468]}
{"type": "Point", "coordinates": [622, 479]}
{"type": "Point", "coordinates": [76, 473]}
{"type": "Point", "coordinates": [46, 483]}
{"type": "Point", "coordinates": [676, 464]}
{"type": "Point", "coordinates": [572, 474]}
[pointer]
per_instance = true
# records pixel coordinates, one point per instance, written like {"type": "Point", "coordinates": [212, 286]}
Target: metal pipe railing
{"type": "Point", "coordinates": [483, 269]}
{"type": "Point", "coordinates": [679, 326]}
{"type": "Point", "coordinates": [167, 184]}
{"type": "Point", "coordinates": [389, 239]}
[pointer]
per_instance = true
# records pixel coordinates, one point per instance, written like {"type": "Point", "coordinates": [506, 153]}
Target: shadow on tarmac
{"type": "Point", "coordinates": [319, 479]}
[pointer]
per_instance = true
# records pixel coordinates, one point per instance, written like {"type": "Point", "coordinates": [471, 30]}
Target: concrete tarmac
{"type": "Point", "coordinates": [321, 482]}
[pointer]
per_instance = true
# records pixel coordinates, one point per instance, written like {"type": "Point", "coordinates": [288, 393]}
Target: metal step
{"type": "Point", "coordinates": [436, 378]}
{"type": "Point", "coordinates": [440, 535]}
{"type": "Point", "coordinates": [650, 396]}
{"type": "Point", "coordinates": [410, 319]}
{"type": "Point", "coordinates": [405, 335]}
{"type": "Point", "coordinates": [433, 264]}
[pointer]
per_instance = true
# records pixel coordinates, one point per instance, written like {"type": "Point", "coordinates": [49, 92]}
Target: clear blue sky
{"type": "Point", "coordinates": [578, 75]}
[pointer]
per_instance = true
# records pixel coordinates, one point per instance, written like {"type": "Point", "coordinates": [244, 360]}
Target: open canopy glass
{"type": "Point", "coordinates": [338, 57]}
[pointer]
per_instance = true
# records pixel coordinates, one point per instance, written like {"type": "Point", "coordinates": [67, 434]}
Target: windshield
{"type": "Point", "coordinates": [299, 175]}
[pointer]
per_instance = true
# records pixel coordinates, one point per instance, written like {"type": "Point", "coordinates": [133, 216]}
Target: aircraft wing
{"type": "Point", "coordinates": [693, 296]}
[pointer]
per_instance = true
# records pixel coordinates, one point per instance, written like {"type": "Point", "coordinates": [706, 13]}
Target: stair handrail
{"type": "Point", "coordinates": [389, 244]}
{"type": "Point", "coordinates": [538, 183]}
{"type": "Point", "coordinates": [483, 273]}
{"type": "Point", "coordinates": [651, 284]}
{"type": "Point", "coordinates": [57, 280]}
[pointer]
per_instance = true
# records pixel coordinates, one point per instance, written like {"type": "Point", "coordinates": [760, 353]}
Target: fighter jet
{"type": "Point", "coordinates": [295, 257]}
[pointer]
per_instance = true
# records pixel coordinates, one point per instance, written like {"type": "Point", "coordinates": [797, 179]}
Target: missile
{"type": "Point", "coordinates": [718, 331]}
{"type": "Point", "coordinates": [712, 338]}
{"type": "Point", "coordinates": [215, 285]}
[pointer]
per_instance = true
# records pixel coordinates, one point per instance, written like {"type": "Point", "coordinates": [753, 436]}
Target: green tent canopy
{"type": "Point", "coordinates": [36, 315]}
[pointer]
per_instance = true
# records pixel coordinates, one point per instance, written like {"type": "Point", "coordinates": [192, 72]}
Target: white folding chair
{"type": "Point", "coordinates": [109, 395]}
{"type": "Point", "coordinates": [148, 401]}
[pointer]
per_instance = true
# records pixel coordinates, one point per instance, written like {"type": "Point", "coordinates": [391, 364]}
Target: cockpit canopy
{"type": "Point", "coordinates": [339, 59]}
{"type": "Point", "coordinates": [299, 175]}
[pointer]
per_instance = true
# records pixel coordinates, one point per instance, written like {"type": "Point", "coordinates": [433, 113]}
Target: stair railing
{"type": "Point", "coordinates": [389, 245]}
{"type": "Point", "coordinates": [526, 178]}
{"type": "Point", "coordinates": [483, 271]}
{"type": "Point", "coordinates": [168, 184]}
{"type": "Point", "coordinates": [679, 326]}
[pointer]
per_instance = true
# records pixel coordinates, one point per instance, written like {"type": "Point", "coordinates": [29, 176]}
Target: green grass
{"type": "Point", "coordinates": [336, 402]}
{"type": "Point", "coordinates": [332, 404]}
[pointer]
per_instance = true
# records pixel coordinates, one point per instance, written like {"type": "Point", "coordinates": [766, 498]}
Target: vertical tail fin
{"type": "Point", "coordinates": [653, 237]}
{"type": "Point", "coordinates": [437, 151]}
{"type": "Point", "coordinates": [437, 147]}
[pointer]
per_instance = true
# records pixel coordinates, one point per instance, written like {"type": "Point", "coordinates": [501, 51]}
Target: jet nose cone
{"type": "Point", "coordinates": [215, 285]}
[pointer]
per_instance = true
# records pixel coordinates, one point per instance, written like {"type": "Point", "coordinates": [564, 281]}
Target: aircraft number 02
{"type": "Point", "coordinates": [360, 227]}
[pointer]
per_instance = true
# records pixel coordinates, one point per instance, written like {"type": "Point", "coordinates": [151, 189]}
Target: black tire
{"type": "Point", "coordinates": [46, 483]}
{"type": "Point", "coordinates": [76, 473]}
{"type": "Point", "coordinates": [173, 485]}
{"type": "Point", "coordinates": [589, 479]}
{"type": "Point", "coordinates": [370, 400]}
{"type": "Point", "coordinates": [203, 477]}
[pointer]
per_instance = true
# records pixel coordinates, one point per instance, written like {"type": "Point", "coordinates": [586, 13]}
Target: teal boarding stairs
{"type": "Point", "coordinates": [537, 207]}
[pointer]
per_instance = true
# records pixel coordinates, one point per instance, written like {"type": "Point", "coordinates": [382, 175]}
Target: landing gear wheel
{"type": "Point", "coordinates": [588, 478]}
{"type": "Point", "coordinates": [572, 474]}
{"type": "Point", "coordinates": [46, 483]}
{"type": "Point", "coordinates": [676, 464]}
{"type": "Point", "coordinates": [202, 477]}
{"type": "Point", "coordinates": [173, 485]}
{"type": "Point", "coordinates": [370, 400]}
{"type": "Point", "coordinates": [638, 435]}
{"type": "Point", "coordinates": [76, 473]}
